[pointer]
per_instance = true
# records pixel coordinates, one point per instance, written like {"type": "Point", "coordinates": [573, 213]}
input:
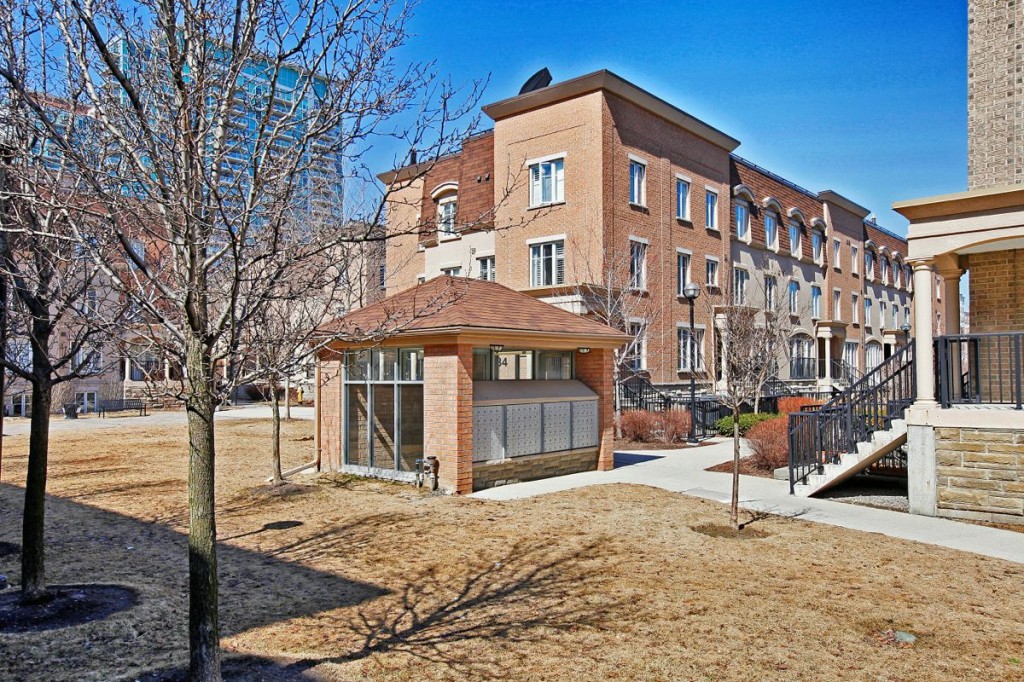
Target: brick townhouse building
{"type": "Point", "coordinates": [594, 183]}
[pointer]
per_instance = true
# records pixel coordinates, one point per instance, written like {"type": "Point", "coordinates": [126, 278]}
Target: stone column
{"type": "Point", "coordinates": [828, 358]}
{"type": "Point", "coordinates": [924, 351]}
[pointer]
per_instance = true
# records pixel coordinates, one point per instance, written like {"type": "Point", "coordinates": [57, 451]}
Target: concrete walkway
{"type": "Point", "coordinates": [16, 426]}
{"type": "Point", "coordinates": [682, 471]}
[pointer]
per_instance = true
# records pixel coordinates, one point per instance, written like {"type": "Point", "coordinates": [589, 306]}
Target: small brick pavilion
{"type": "Point", "coordinates": [498, 386]}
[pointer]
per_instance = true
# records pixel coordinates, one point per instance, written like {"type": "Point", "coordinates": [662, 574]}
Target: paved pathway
{"type": "Point", "coordinates": [16, 426]}
{"type": "Point", "coordinates": [683, 471]}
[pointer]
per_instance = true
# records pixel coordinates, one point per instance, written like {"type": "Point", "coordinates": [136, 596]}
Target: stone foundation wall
{"type": "Point", "coordinates": [533, 467]}
{"type": "Point", "coordinates": [980, 473]}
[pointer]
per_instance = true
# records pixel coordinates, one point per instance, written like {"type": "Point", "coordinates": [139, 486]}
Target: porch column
{"type": "Point", "coordinates": [828, 357]}
{"type": "Point", "coordinates": [924, 351]}
{"type": "Point", "coordinates": [595, 370]}
{"type": "Point", "coordinates": [951, 307]}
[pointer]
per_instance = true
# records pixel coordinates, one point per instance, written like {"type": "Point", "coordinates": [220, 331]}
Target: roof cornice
{"type": "Point", "coordinates": [607, 81]}
{"type": "Point", "coordinates": [974, 201]}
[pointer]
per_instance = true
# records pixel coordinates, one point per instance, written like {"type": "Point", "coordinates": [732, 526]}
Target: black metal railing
{"type": "Point", "coordinates": [818, 436]}
{"type": "Point", "coordinates": [980, 368]}
{"type": "Point", "coordinates": [638, 393]}
{"type": "Point", "coordinates": [844, 372]}
{"type": "Point", "coordinates": [803, 369]}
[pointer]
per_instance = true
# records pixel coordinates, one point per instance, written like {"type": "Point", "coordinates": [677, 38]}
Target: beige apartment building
{"type": "Point", "coordinates": [594, 188]}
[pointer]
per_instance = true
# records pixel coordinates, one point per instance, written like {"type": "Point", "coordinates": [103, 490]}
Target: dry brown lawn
{"type": "Point", "coordinates": [379, 581]}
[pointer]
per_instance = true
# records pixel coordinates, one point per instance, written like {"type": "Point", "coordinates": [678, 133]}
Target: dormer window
{"type": "Point", "coordinates": [796, 246]}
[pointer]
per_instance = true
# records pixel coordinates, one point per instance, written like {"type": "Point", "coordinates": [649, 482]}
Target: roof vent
{"type": "Point", "coordinates": [541, 79]}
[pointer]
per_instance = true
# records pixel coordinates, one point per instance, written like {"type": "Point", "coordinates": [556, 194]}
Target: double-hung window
{"type": "Point", "coordinates": [795, 243]}
{"type": "Point", "coordinates": [837, 305]}
{"type": "Point", "coordinates": [771, 292]}
{"type": "Point", "coordinates": [794, 297]}
{"type": "Point", "coordinates": [682, 199]}
{"type": "Point", "coordinates": [637, 265]}
{"type": "Point", "coordinates": [855, 310]}
{"type": "Point", "coordinates": [486, 268]}
{"type": "Point", "coordinates": [836, 249]}
{"type": "Point", "coordinates": [636, 358]}
{"type": "Point", "coordinates": [771, 230]}
{"type": "Point", "coordinates": [711, 272]}
{"type": "Point", "coordinates": [867, 312]}
{"type": "Point", "coordinates": [869, 265]}
{"type": "Point", "coordinates": [883, 310]}
{"type": "Point", "coordinates": [691, 358]}
{"type": "Point", "coordinates": [682, 271]}
{"type": "Point", "coordinates": [547, 264]}
{"type": "Point", "coordinates": [816, 302]}
{"type": "Point", "coordinates": [740, 277]}
{"type": "Point", "coordinates": [637, 182]}
{"type": "Point", "coordinates": [885, 270]}
{"type": "Point", "coordinates": [711, 209]}
{"type": "Point", "coordinates": [854, 260]}
{"type": "Point", "coordinates": [816, 243]}
{"type": "Point", "coordinates": [446, 209]}
{"type": "Point", "coordinates": [547, 182]}
{"type": "Point", "coordinates": [742, 221]}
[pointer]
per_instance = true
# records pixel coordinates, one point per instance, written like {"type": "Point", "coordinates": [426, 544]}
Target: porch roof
{"type": "Point", "coordinates": [446, 306]}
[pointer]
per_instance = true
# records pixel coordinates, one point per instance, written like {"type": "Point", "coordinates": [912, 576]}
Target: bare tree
{"type": "Point", "coordinates": [216, 201]}
{"type": "Point", "coordinates": [753, 321]}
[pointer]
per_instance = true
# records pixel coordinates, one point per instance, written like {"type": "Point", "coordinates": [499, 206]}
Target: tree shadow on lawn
{"type": "Point", "coordinates": [87, 544]}
{"type": "Point", "coordinates": [529, 594]}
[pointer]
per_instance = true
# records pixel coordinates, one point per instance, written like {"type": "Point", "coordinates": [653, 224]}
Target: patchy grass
{"type": "Point", "coordinates": [350, 579]}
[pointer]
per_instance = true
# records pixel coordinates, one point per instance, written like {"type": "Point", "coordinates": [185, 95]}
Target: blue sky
{"type": "Point", "coordinates": [867, 98]}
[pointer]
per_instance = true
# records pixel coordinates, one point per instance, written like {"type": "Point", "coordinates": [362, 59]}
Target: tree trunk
{"type": "Point", "coordinates": [288, 397]}
{"type": "Point", "coordinates": [275, 438]}
{"type": "Point", "coordinates": [734, 509]}
{"type": "Point", "coordinates": [33, 573]}
{"type": "Point", "coordinates": [204, 634]}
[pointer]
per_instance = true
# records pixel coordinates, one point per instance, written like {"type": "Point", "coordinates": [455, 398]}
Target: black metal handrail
{"type": "Point", "coordinates": [820, 436]}
{"type": "Point", "coordinates": [981, 368]}
{"type": "Point", "coordinates": [636, 392]}
{"type": "Point", "coordinates": [844, 372]}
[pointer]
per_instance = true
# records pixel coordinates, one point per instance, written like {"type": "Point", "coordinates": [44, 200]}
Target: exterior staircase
{"type": "Point", "coordinates": [861, 428]}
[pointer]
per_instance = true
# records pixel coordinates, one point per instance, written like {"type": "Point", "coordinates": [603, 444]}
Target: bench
{"type": "Point", "coordinates": [123, 405]}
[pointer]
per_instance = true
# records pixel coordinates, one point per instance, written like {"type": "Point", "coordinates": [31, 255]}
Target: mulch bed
{"type": "Point", "coordinates": [747, 468]}
{"type": "Point", "coordinates": [69, 605]}
{"type": "Point", "coordinates": [622, 445]}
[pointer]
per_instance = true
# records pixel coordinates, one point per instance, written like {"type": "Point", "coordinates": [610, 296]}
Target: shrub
{"type": "Point", "coordinates": [795, 403]}
{"type": "Point", "coordinates": [769, 444]}
{"type": "Point", "coordinates": [747, 421]}
{"type": "Point", "coordinates": [640, 425]}
{"type": "Point", "coordinates": [675, 426]}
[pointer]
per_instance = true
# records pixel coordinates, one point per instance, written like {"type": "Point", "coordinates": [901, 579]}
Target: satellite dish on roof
{"type": "Point", "coordinates": [541, 79]}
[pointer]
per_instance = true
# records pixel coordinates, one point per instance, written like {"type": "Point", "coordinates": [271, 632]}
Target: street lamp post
{"type": "Point", "coordinates": [691, 291]}
{"type": "Point", "coordinates": [905, 328]}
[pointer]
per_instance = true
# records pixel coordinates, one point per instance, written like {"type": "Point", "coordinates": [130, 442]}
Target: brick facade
{"type": "Point", "coordinates": [980, 473]}
{"type": "Point", "coordinates": [448, 413]}
{"type": "Point", "coordinates": [995, 99]}
{"type": "Point", "coordinates": [997, 291]}
{"type": "Point", "coordinates": [595, 370]}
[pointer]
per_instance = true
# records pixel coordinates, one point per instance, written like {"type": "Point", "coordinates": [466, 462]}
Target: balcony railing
{"type": "Point", "coordinates": [981, 369]}
{"type": "Point", "coordinates": [803, 369]}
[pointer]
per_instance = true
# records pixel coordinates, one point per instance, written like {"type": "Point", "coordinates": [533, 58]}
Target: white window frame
{"type": "Point", "coordinates": [837, 250]}
{"type": "Point", "coordinates": [854, 259]}
{"type": "Point", "coordinates": [837, 305]}
{"type": "Point", "coordinates": [683, 207]}
{"type": "Point", "coordinates": [557, 257]}
{"type": "Point", "coordinates": [683, 278]}
{"type": "Point", "coordinates": [856, 354]}
{"type": "Point", "coordinates": [446, 228]}
{"type": "Point", "coordinates": [868, 307]}
{"type": "Point", "coordinates": [815, 302]}
{"type": "Point", "coordinates": [869, 264]}
{"type": "Point", "coordinates": [696, 348]}
{"type": "Point", "coordinates": [817, 247]}
{"type": "Point", "coordinates": [739, 288]}
{"type": "Point", "coordinates": [796, 250]}
{"type": "Point", "coordinates": [771, 237]}
{"type": "Point", "coordinates": [711, 217]}
{"type": "Point", "coordinates": [883, 310]}
{"type": "Point", "coordinates": [793, 291]}
{"type": "Point", "coordinates": [485, 265]}
{"type": "Point", "coordinates": [771, 292]}
{"type": "Point", "coordinates": [711, 282]}
{"type": "Point", "coordinates": [555, 167]}
{"type": "Point", "coordinates": [743, 221]}
{"type": "Point", "coordinates": [640, 347]}
{"type": "Point", "coordinates": [638, 266]}
{"type": "Point", "coordinates": [637, 181]}
{"type": "Point", "coordinates": [855, 311]}
{"type": "Point", "coordinates": [451, 270]}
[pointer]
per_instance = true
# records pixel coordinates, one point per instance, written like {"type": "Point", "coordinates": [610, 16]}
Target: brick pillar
{"type": "Point", "coordinates": [328, 411]}
{"type": "Point", "coordinates": [595, 370]}
{"type": "Point", "coordinates": [448, 413]}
